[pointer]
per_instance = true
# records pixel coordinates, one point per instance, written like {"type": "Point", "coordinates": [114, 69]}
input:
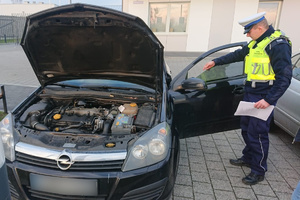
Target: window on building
{"type": "Point", "coordinates": [272, 9]}
{"type": "Point", "coordinates": [168, 17]}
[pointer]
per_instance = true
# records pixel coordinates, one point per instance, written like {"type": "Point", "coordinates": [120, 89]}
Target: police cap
{"type": "Point", "coordinates": [249, 22]}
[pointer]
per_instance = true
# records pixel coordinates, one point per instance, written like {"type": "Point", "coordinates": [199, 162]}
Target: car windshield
{"type": "Point", "coordinates": [103, 84]}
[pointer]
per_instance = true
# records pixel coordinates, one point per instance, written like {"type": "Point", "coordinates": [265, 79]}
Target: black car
{"type": "Point", "coordinates": [107, 119]}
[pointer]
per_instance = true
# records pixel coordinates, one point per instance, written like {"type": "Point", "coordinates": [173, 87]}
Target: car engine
{"type": "Point", "coordinates": [86, 116]}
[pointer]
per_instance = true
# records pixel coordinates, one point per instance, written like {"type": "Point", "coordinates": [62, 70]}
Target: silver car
{"type": "Point", "coordinates": [4, 189]}
{"type": "Point", "coordinates": [287, 110]}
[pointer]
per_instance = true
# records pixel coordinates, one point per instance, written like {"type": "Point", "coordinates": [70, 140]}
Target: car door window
{"type": "Point", "coordinates": [216, 73]}
{"type": "Point", "coordinates": [296, 66]}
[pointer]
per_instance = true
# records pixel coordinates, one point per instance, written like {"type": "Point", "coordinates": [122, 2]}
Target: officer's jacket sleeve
{"type": "Point", "coordinates": [280, 57]}
{"type": "Point", "coordinates": [236, 56]}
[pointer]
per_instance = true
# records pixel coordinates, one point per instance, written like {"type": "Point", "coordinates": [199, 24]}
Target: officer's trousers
{"type": "Point", "coordinates": [256, 136]}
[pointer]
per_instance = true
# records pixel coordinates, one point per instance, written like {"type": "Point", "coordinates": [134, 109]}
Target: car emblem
{"type": "Point", "coordinates": [64, 161]}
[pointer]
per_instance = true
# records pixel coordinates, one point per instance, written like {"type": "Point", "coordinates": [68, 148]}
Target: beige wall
{"type": "Point", "coordinates": [221, 22]}
{"type": "Point", "coordinates": [213, 23]}
{"type": "Point", "coordinates": [199, 25]}
{"type": "Point", "coordinates": [289, 22]}
{"type": "Point", "coordinates": [243, 8]}
{"type": "Point", "coordinates": [138, 8]}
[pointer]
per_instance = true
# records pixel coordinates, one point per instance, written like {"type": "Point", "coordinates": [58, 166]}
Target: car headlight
{"type": "Point", "coordinates": [157, 147]}
{"type": "Point", "coordinates": [140, 151]}
{"type": "Point", "coordinates": [150, 148]}
{"type": "Point", "coordinates": [6, 133]}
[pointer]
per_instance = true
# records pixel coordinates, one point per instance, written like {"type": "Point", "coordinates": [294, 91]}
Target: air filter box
{"type": "Point", "coordinates": [145, 117]}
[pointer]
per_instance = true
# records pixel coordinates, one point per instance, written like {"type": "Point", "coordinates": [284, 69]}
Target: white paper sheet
{"type": "Point", "coordinates": [247, 109]}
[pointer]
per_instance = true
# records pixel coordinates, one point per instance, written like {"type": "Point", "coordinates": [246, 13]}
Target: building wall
{"type": "Point", "coordinates": [221, 22]}
{"type": "Point", "coordinates": [243, 8]}
{"type": "Point", "coordinates": [213, 23]}
{"type": "Point", "coordinates": [199, 25]}
{"type": "Point", "coordinates": [289, 22]}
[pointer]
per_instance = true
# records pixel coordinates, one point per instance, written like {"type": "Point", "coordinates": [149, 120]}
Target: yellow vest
{"type": "Point", "coordinates": [257, 63]}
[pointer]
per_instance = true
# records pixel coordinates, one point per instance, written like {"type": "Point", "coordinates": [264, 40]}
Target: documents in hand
{"type": "Point", "coordinates": [247, 109]}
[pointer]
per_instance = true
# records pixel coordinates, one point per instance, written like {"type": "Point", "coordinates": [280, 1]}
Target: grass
{"type": "Point", "coordinates": [2, 115]}
{"type": "Point", "coordinates": [8, 41]}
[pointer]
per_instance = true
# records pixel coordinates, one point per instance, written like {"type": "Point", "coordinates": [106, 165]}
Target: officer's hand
{"type": "Point", "coordinates": [209, 65]}
{"type": "Point", "coordinates": [261, 104]}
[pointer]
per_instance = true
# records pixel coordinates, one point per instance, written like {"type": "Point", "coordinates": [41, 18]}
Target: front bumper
{"type": "Point", "coordinates": [153, 182]}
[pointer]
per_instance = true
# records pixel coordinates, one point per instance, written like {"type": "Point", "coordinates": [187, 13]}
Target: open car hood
{"type": "Point", "coordinates": [79, 41]}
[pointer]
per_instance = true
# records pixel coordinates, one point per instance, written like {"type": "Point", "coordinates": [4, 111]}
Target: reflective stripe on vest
{"type": "Point", "coordinates": [257, 63]}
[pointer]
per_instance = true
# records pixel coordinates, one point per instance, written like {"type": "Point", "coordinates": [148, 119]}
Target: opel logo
{"type": "Point", "coordinates": [64, 161]}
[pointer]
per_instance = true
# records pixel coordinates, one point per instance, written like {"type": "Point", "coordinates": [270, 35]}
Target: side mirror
{"type": "Point", "coordinates": [193, 84]}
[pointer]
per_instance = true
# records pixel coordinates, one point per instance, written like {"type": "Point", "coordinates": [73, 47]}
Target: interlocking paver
{"type": "Point", "coordinates": [281, 186]}
{"type": "Point", "coordinates": [183, 179]}
{"type": "Point", "coordinates": [235, 172]}
{"type": "Point", "coordinates": [195, 152]}
{"type": "Point", "coordinates": [207, 144]}
{"type": "Point", "coordinates": [204, 196]}
{"type": "Point", "coordinates": [283, 196]}
{"type": "Point", "coordinates": [183, 191]}
{"type": "Point", "coordinates": [222, 142]}
{"type": "Point", "coordinates": [263, 190]}
{"type": "Point", "coordinates": [212, 165]}
{"type": "Point", "coordinates": [185, 170]}
{"type": "Point", "coordinates": [259, 197]}
{"type": "Point", "coordinates": [221, 184]}
{"type": "Point", "coordinates": [203, 188]}
{"type": "Point", "coordinates": [196, 159]}
{"type": "Point", "coordinates": [219, 175]}
{"type": "Point", "coordinates": [212, 157]}
{"type": "Point", "coordinates": [224, 195]}
{"type": "Point", "coordinates": [198, 167]}
{"type": "Point", "coordinates": [201, 177]}
{"type": "Point", "coordinates": [244, 193]}
{"type": "Point", "coordinates": [225, 150]}
{"type": "Point", "coordinates": [237, 182]}
{"type": "Point", "coordinates": [210, 150]}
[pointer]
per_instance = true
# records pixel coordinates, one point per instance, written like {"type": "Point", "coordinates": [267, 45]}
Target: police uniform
{"type": "Point", "coordinates": [271, 54]}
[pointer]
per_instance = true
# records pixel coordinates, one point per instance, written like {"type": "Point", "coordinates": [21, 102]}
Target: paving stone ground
{"type": "Point", "coordinates": [204, 169]}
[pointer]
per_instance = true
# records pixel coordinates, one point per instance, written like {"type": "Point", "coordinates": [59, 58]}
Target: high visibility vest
{"type": "Point", "coordinates": [257, 63]}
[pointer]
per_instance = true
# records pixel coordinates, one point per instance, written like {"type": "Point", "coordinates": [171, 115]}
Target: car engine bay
{"type": "Point", "coordinates": [89, 123]}
{"type": "Point", "coordinates": [88, 116]}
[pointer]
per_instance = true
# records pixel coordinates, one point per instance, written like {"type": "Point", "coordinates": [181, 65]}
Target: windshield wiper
{"type": "Point", "coordinates": [120, 88]}
{"type": "Point", "coordinates": [66, 85]}
{"type": "Point", "coordinates": [103, 88]}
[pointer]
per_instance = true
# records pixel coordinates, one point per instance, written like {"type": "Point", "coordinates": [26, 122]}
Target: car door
{"type": "Point", "coordinates": [287, 110]}
{"type": "Point", "coordinates": [205, 102]}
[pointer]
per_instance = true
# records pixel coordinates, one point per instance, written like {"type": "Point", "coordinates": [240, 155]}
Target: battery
{"type": "Point", "coordinates": [122, 125]}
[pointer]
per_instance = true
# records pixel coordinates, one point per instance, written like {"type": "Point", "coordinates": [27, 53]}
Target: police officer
{"type": "Point", "coordinates": [269, 71]}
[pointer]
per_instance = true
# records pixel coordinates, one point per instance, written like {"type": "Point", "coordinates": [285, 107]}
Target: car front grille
{"type": "Point", "coordinates": [154, 194]}
{"type": "Point", "coordinates": [77, 166]}
{"type": "Point", "coordinates": [13, 191]}
{"type": "Point", "coordinates": [149, 192]}
{"type": "Point", "coordinates": [38, 195]}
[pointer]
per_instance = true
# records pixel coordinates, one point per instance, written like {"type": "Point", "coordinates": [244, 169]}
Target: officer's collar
{"type": "Point", "coordinates": [268, 32]}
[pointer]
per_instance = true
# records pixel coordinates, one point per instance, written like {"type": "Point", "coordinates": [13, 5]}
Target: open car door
{"type": "Point", "coordinates": [205, 102]}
